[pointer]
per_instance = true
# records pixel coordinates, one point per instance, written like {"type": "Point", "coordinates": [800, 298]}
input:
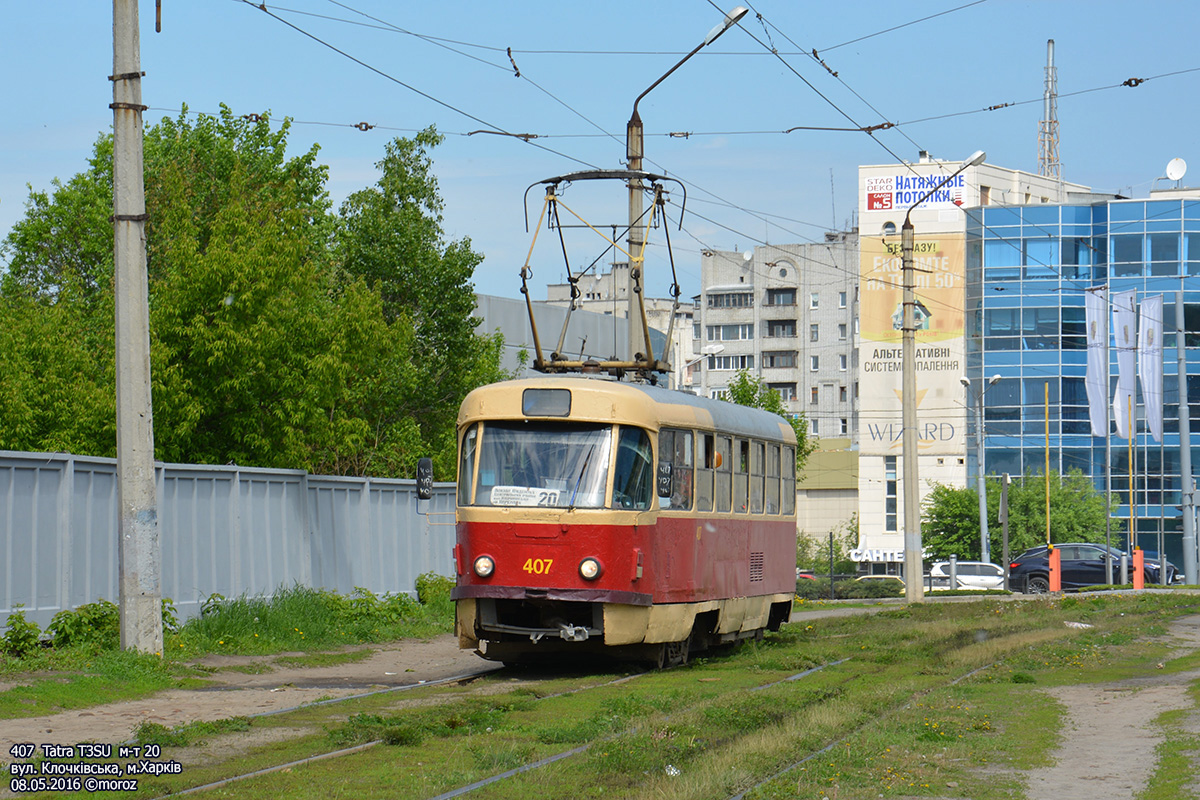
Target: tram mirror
{"type": "Point", "coordinates": [424, 478]}
{"type": "Point", "coordinates": [664, 479]}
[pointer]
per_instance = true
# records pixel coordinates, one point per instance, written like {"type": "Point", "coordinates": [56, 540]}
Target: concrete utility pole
{"type": "Point", "coordinates": [634, 150]}
{"type": "Point", "coordinates": [1188, 485]}
{"type": "Point", "coordinates": [914, 569]}
{"type": "Point", "coordinates": [138, 549]}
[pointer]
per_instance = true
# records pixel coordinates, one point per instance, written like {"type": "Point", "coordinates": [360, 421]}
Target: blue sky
{"type": "Point", "coordinates": [582, 64]}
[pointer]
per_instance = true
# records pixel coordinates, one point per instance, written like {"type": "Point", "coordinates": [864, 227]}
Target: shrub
{"type": "Point", "coordinates": [21, 635]}
{"type": "Point", "coordinates": [861, 590]}
{"type": "Point", "coordinates": [97, 624]}
{"type": "Point", "coordinates": [813, 590]}
{"type": "Point", "coordinates": [434, 589]}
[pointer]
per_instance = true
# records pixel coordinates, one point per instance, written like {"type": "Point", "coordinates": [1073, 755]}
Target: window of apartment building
{"type": "Point", "coordinates": [696, 331]}
{"type": "Point", "coordinates": [731, 300]}
{"type": "Point", "coordinates": [842, 394]}
{"type": "Point", "coordinates": [841, 299]}
{"type": "Point", "coordinates": [889, 494]}
{"type": "Point", "coordinates": [814, 300]}
{"type": "Point", "coordinates": [814, 363]}
{"type": "Point", "coordinates": [776, 359]}
{"type": "Point", "coordinates": [781, 297]}
{"type": "Point", "coordinates": [730, 333]}
{"type": "Point", "coordinates": [814, 395]}
{"type": "Point", "coordinates": [781, 329]}
{"type": "Point", "coordinates": [814, 426]}
{"type": "Point", "coordinates": [787, 391]}
{"type": "Point", "coordinates": [841, 362]}
{"type": "Point", "coordinates": [814, 332]}
{"type": "Point", "coordinates": [731, 362]}
{"type": "Point", "coordinates": [843, 426]}
{"type": "Point", "coordinates": [842, 331]}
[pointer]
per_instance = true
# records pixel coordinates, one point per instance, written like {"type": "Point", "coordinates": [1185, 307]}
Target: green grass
{"type": "Point", "coordinates": [89, 670]}
{"type": "Point", "coordinates": [898, 724]}
{"type": "Point", "coordinates": [79, 679]}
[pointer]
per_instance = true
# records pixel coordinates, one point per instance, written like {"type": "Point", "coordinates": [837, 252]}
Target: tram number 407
{"type": "Point", "coordinates": [538, 566]}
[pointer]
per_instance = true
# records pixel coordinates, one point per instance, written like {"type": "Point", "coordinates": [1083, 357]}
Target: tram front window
{"type": "Point", "coordinates": [633, 484]}
{"type": "Point", "coordinates": [543, 464]}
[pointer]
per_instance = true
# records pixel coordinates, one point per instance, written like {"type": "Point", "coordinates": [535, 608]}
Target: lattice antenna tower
{"type": "Point", "coordinates": [1048, 165]}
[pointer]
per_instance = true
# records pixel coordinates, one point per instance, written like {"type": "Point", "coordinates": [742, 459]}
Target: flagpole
{"type": "Point", "coordinates": [1132, 515]}
{"type": "Point", "coordinates": [1047, 462]}
{"type": "Point", "coordinates": [1108, 388]}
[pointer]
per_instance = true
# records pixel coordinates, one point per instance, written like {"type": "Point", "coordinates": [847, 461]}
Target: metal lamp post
{"type": "Point", "coordinates": [980, 485]}
{"type": "Point", "coordinates": [914, 590]}
{"type": "Point", "coordinates": [633, 152]}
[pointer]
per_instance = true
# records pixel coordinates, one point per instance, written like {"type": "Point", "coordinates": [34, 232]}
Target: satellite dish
{"type": "Point", "coordinates": [749, 254]}
{"type": "Point", "coordinates": [1176, 169]}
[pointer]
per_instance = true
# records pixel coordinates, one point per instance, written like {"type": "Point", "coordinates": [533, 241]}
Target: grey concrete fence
{"type": "Point", "coordinates": [223, 529]}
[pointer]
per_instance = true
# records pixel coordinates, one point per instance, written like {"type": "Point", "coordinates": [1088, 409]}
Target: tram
{"type": "Point", "coordinates": [599, 516]}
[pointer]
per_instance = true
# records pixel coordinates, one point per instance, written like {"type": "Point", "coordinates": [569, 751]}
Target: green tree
{"type": "Point", "coordinates": [746, 390]}
{"type": "Point", "coordinates": [267, 349]}
{"type": "Point", "coordinates": [391, 236]}
{"type": "Point", "coordinates": [950, 517]}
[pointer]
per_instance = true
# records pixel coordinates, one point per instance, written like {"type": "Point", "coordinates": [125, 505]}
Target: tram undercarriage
{"type": "Point", "coordinates": [538, 629]}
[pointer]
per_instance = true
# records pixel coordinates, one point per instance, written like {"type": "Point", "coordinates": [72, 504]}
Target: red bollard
{"type": "Point", "coordinates": [1055, 570]}
{"type": "Point", "coordinates": [1139, 562]}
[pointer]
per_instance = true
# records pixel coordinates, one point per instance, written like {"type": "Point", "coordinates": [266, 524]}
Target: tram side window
{"type": "Point", "coordinates": [756, 477]}
{"type": "Point", "coordinates": [704, 472]}
{"type": "Point", "coordinates": [722, 481]}
{"type": "Point", "coordinates": [788, 468]}
{"type": "Point", "coordinates": [773, 479]}
{"type": "Point", "coordinates": [466, 465]}
{"type": "Point", "coordinates": [741, 477]}
{"type": "Point", "coordinates": [675, 447]}
{"type": "Point", "coordinates": [633, 481]}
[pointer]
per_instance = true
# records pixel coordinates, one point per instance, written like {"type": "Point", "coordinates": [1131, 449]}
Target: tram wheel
{"type": "Point", "coordinates": [675, 654]}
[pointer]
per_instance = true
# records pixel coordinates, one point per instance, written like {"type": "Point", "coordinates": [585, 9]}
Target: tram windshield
{"type": "Point", "coordinates": [543, 464]}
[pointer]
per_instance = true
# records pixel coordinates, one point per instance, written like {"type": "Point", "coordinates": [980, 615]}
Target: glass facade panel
{"type": "Point", "coordinates": [1126, 255]}
{"type": "Point", "coordinates": [1164, 253]}
{"type": "Point", "coordinates": [1025, 322]}
{"type": "Point", "coordinates": [1039, 328]}
{"type": "Point", "coordinates": [1074, 330]}
{"type": "Point", "coordinates": [1041, 257]}
{"type": "Point", "coordinates": [1191, 251]}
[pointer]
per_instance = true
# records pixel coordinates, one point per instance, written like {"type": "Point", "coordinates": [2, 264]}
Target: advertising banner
{"type": "Point", "coordinates": [1096, 382]}
{"type": "Point", "coordinates": [940, 348]}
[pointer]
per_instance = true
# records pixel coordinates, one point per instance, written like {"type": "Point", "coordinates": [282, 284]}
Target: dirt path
{"type": "Point", "coordinates": [1109, 734]}
{"type": "Point", "coordinates": [234, 693]}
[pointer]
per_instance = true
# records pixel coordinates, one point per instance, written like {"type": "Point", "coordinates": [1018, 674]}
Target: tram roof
{"type": "Point", "coordinates": [630, 402]}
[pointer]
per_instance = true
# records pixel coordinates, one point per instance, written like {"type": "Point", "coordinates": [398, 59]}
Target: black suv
{"type": "Point", "coordinates": [1082, 564]}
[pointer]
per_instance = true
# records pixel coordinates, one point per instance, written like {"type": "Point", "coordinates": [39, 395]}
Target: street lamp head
{"type": "Point", "coordinates": [730, 20]}
{"type": "Point", "coordinates": [965, 381]}
{"type": "Point", "coordinates": [993, 380]}
{"type": "Point", "coordinates": [976, 158]}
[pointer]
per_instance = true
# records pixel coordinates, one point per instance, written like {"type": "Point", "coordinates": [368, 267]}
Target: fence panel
{"type": "Point", "coordinates": [223, 529]}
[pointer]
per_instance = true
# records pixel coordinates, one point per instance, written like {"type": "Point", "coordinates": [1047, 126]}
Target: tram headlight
{"type": "Point", "coordinates": [590, 569]}
{"type": "Point", "coordinates": [484, 566]}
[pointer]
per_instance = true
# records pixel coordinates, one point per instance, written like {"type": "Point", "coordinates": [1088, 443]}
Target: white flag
{"type": "Point", "coordinates": [1124, 320]}
{"type": "Point", "coordinates": [1150, 362]}
{"type": "Point", "coordinates": [1096, 315]}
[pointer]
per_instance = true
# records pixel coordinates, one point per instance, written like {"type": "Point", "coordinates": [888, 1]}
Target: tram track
{"type": "Point", "coordinates": [732, 723]}
{"type": "Point", "coordinates": [473, 786]}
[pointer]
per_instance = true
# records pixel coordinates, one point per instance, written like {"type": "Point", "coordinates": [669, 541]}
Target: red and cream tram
{"type": "Point", "coordinates": [600, 516]}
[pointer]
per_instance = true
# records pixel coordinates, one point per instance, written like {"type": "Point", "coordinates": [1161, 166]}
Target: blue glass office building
{"type": "Point", "coordinates": [1027, 268]}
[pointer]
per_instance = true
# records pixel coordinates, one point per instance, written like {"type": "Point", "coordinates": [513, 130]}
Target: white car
{"type": "Point", "coordinates": [971, 575]}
